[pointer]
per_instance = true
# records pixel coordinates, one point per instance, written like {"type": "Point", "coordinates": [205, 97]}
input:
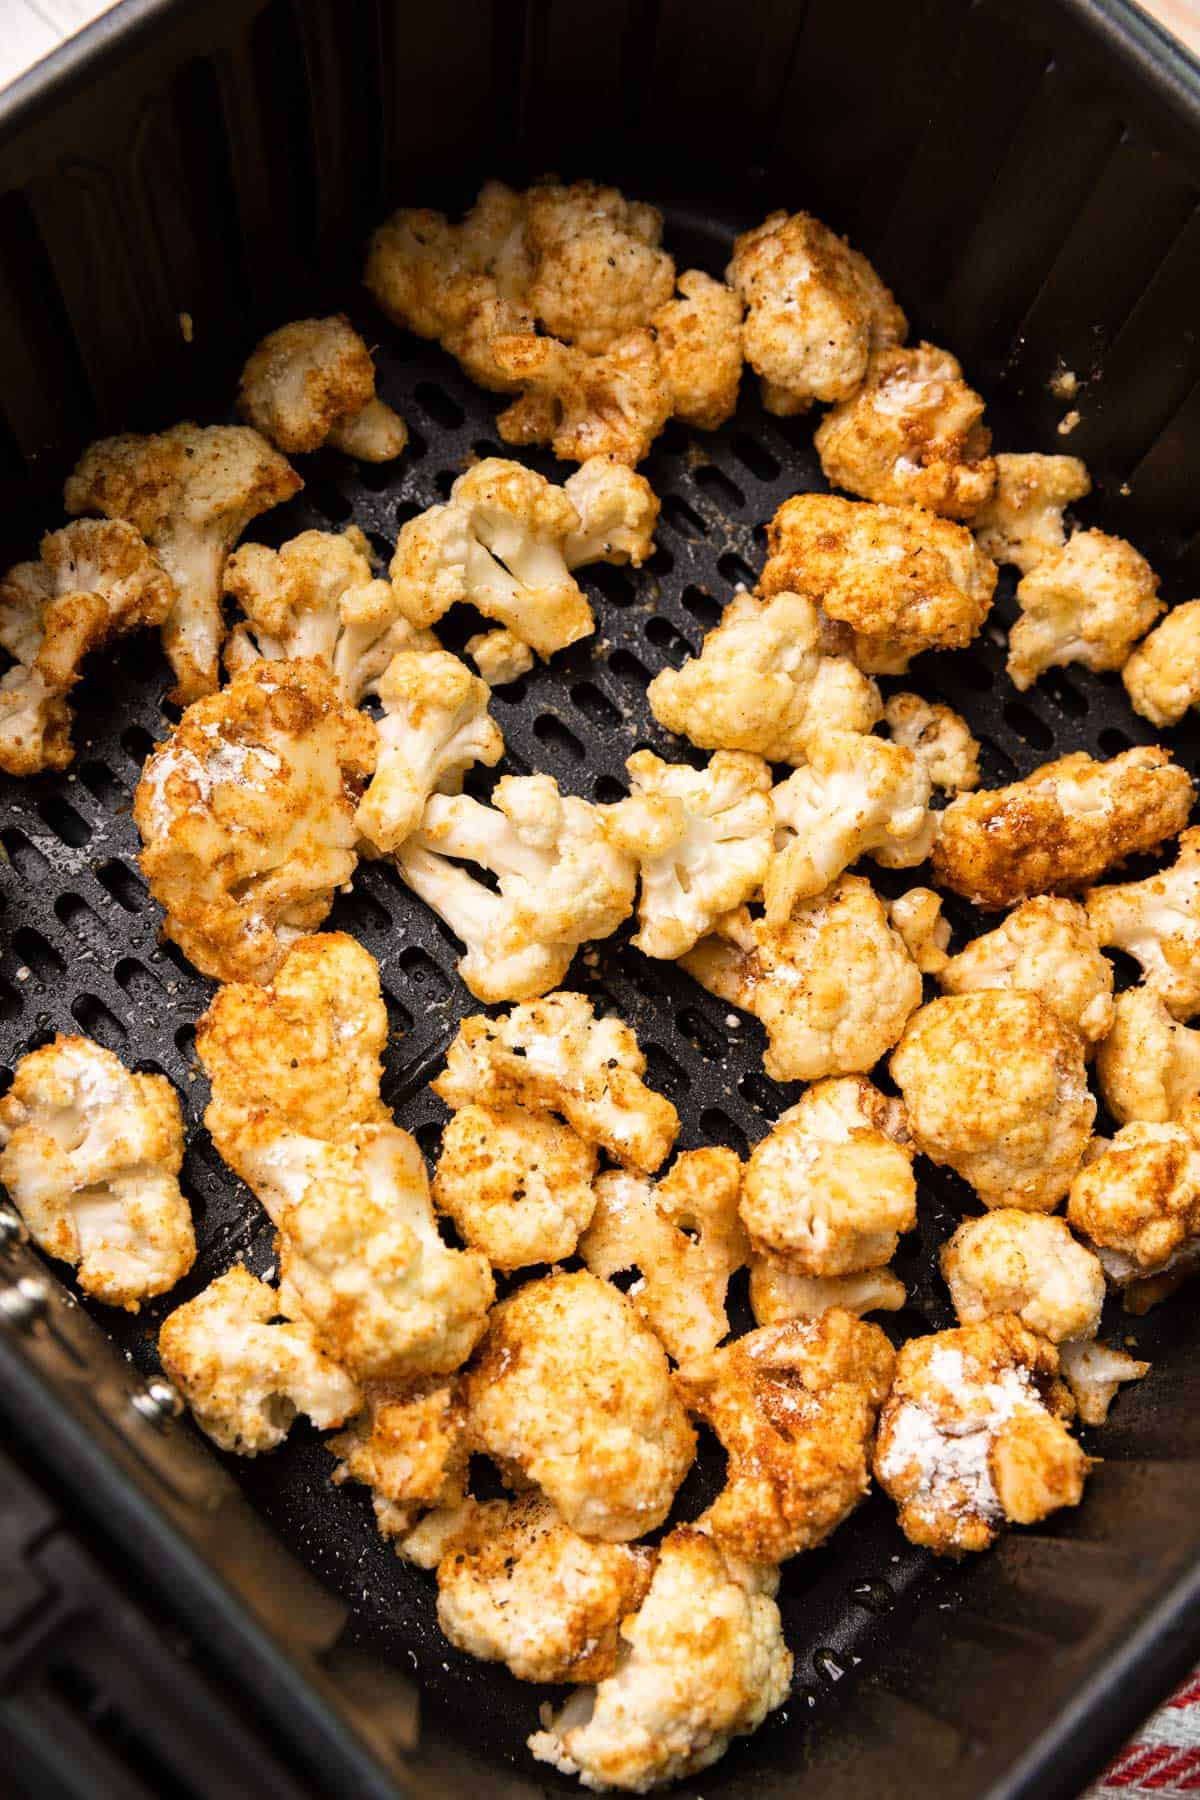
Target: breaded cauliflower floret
{"type": "Point", "coordinates": [794, 1406]}
{"type": "Point", "coordinates": [903, 580]}
{"type": "Point", "coordinates": [597, 270]}
{"type": "Point", "coordinates": [94, 581]}
{"type": "Point", "coordinates": [555, 1053]}
{"type": "Point", "coordinates": [516, 1182]}
{"type": "Point", "coordinates": [815, 311]}
{"type": "Point", "coordinates": [683, 1236]}
{"type": "Point", "coordinates": [702, 839]}
{"type": "Point", "coordinates": [1094, 1372]}
{"type": "Point", "coordinates": [613, 404]}
{"type": "Point", "coordinates": [1046, 947]}
{"type": "Point", "coordinates": [246, 1373]}
{"type": "Point", "coordinates": [939, 737]}
{"type": "Point", "coordinates": [1088, 603]}
{"type": "Point", "coordinates": [191, 492]}
{"type": "Point", "coordinates": [699, 337]}
{"type": "Point", "coordinates": [572, 1391]}
{"type": "Point", "coordinates": [409, 1446]}
{"type": "Point", "coordinates": [90, 1155]}
{"type": "Point", "coordinates": [1022, 523]}
{"type": "Point", "coordinates": [499, 656]}
{"type": "Point", "coordinates": [830, 1188]}
{"type": "Point", "coordinates": [435, 726]}
{"type": "Point", "coordinates": [1149, 1064]}
{"type": "Point", "coordinates": [833, 985]}
{"type": "Point", "coordinates": [778, 1293]}
{"type": "Point", "coordinates": [911, 435]}
{"type": "Point", "coordinates": [768, 677]}
{"type": "Point", "coordinates": [1028, 1264]}
{"type": "Point", "coordinates": [618, 510]}
{"type": "Point", "coordinates": [247, 816]}
{"type": "Point", "coordinates": [1157, 922]}
{"type": "Point", "coordinates": [972, 1436]}
{"type": "Point", "coordinates": [996, 1089]}
{"type": "Point", "coordinates": [1138, 1202]}
{"type": "Point", "coordinates": [1162, 676]}
{"type": "Point", "coordinates": [916, 916]}
{"type": "Point", "coordinates": [313, 382]}
{"type": "Point", "coordinates": [1060, 827]}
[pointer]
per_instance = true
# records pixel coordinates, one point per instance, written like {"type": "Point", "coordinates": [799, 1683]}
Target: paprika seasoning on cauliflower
{"type": "Point", "coordinates": [1149, 1064]}
{"type": "Point", "coordinates": [1157, 922]}
{"type": "Point", "coordinates": [312, 382]}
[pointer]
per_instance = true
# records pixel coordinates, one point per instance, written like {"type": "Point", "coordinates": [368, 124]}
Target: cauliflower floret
{"type": "Point", "coordinates": [972, 1436]}
{"type": "Point", "coordinates": [245, 1372]}
{"type": "Point", "coordinates": [435, 725]}
{"type": "Point", "coordinates": [561, 882]}
{"type": "Point", "coordinates": [939, 737]}
{"type": "Point", "coordinates": [573, 1391]}
{"type": "Point", "coordinates": [815, 311]}
{"type": "Point", "coordinates": [597, 269]}
{"type": "Point", "coordinates": [778, 1293]}
{"type": "Point", "coordinates": [830, 1188]}
{"type": "Point", "coordinates": [409, 1446]}
{"type": "Point", "coordinates": [916, 917]}
{"type": "Point", "coordinates": [702, 839]}
{"type": "Point", "coordinates": [1022, 523]}
{"type": "Point", "coordinates": [95, 580]}
{"type": "Point", "coordinates": [1157, 922]}
{"type": "Point", "coordinates": [1149, 1064]}
{"type": "Point", "coordinates": [1094, 1372]}
{"type": "Point", "coordinates": [1162, 676]}
{"type": "Point", "coordinates": [794, 1406]}
{"type": "Point", "coordinates": [1087, 603]}
{"type": "Point", "coordinates": [769, 676]}
{"type": "Point", "coordinates": [618, 510]}
{"type": "Point", "coordinates": [247, 816]}
{"type": "Point", "coordinates": [996, 1089]}
{"type": "Point", "coordinates": [700, 350]}
{"type": "Point", "coordinates": [833, 986]}
{"type": "Point", "coordinates": [903, 580]}
{"type": "Point", "coordinates": [1137, 1203]}
{"type": "Point", "coordinates": [516, 1182]}
{"type": "Point", "coordinates": [313, 382]}
{"type": "Point", "coordinates": [912, 435]}
{"type": "Point", "coordinates": [1045, 947]}
{"type": "Point", "coordinates": [1060, 827]}
{"type": "Point", "coordinates": [614, 404]}
{"type": "Point", "coordinates": [191, 492]}
{"type": "Point", "coordinates": [683, 1236]}
{"type": "Point", "coordinates": [554, 1053]}
{"type": "Point", "coordinates": [1028, 1264]}
{"type": "Point", "coordinates": [499, 656]}
{"type": "Point", "coordinates": [90, 1155]}
{"type": "Point", "coordinates": [855, 795]}
{"type": "Point", "coordinates": [703, 1661]}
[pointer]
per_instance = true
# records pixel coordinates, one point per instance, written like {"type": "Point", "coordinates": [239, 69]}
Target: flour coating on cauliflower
{"type": "Point", "coordinates": [1047, 947]}
{"type": "Point", "coordinates": [1149, 1064]}
{"type": "Point", "coordinates": [1022, 523]}
{"type": "Point", "coordinates": [1087, 603]}
{"type": "Point", "coordinates": [1157, 922]}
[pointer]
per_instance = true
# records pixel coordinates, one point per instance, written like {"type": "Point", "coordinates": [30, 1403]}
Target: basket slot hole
{"type": "Point", "coordinates": [763, 1094]}
{"type": "Point", "coordinates": [375, 477]}
{"type": "Point", "coordinates": [674, 646]}
{"type": "Point", "coordinates": [614, 581]}
{"type": "Point", "coordinates": [661, 562]}
{"type": "Point", "coordinates": [429, 1136]}
{"type": "Point", "coordinates": [608, 791]}
{"type": "Point", "coordinates": [702, 1033]}
{"type": "Point", "coordinates": [550, 730]}
{"type": "Point", "coordinates": [328, 500]}
{"type": "Point", "coordinates": [595, 706]}
{"type": "Point", "coordinates": [665, 1074]}
{"type": "Point", "coordinates": [970, 671]}
{"type": "Point", "coordinates": [1064, 693]}
{"type": "Point", "coordinates": [421, 970]}
{"type": "Point", "coordinates": [94, 1018]}
{"type": "Point", "coordinates": [185, 1043]}
{"type": "Point", "coordinates": [720, 489]}
{"type": "Point", "coordinates": [139, 982]}
{"type": "Point", "coordinates": [997, 765]}
{"type": "Point", "coordinates": [1027, 725]}
{"type": "Point", "coordinates": [29, 862]}
{"type": "Point", "coordinates": [704, 609]}
{"type": "Point", "coordinates": [755, 456]}
{"type": "Point", "coordinates": [680, 517]}
{"type": "Point", "coordinates": [66, 824]}
{"type": "Point", "coordinates": [10, 1008]}
{"type": "Point", "coordinates": [117, 879]}
{"type": "Point", "coordinates": [625, 664]}
{"type": "Point", "coordinates": [137, 744]}
{"type": "Point", "coordinates": [381, 547]}
{"type": "Point", "coordinates": [400, 1020]}
{"type": "Point", "coordinates": [406, 510]}
{"type": "Point", "coordinates": [358, 911]}
{"type": "Point", "coordinates": [735, 569]}
{"type": "Point", "coordinates": [1112, 740]}
{"type": "Point", "coordinates": [100, 782]}
{"type": "Point", "coordinates": [718, 1128]}
{"type": "Point", "coordinates": [75, 913]}
{"type": "Point", "coordinates": [444, 480]}
{"type": "Point", "coordinates": [38, 953]}
{"type": "Point", "coordinates": [485, 447]}
{"type": "Point", "coordinates": [437, 405]}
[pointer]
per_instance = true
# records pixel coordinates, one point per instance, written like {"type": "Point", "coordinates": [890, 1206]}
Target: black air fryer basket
{"type": "Point", "coordinates": [1025, 177]}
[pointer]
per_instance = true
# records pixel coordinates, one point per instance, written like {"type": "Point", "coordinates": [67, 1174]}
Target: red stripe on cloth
{"type": "Point", "coordinates": [1134, 1763]}
{"type": "Point", "coordinates": [1172, 1773]}
{"type": "Point", "coordinates": [1188, 1695]}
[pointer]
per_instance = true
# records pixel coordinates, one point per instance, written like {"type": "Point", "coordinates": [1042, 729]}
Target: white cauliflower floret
{"type": "Point", "coordinates": [902, 580]}
{"type": "Point", "coordinates": [573, 1392]}
{"type": "Point", "coordinates": [996, 1089]}
{"type": "Point", "coordinates": [778, 1293]}
{"type": "Point", "coordinates": [516, 1182]}
{"type": "Point", "coordinates": [703, 1661]}
{"type": "Point", "coordinates": [409, 1446]}
{"type": "Point", "coordinates": [561, 882]}
{"type": "Point", "coordinates": [191, 492]}
{"type": "Point", "coordinates": [1046, 947]}
{"type": "Point", "coordinates": [596, 267]}
{"type": "Point", "coordinates": [95, 580]}
{"type": "Point", "coordinates": [1022, 523]}
{"type": "Point", "coordinates": [702, 839]}
{"type": "Point", "coordinates": [911, 434]}
{"type": "Point", "coordinates": [768, 677]}
{"type": "Point", "coordinates": [1137, 1203]}
{"type": "Point", "coordinates": [246, 1373]}
{"type": "Point", "coordinates": [499, 656]}
{"type": "Point", "coordinates": [815, 311]}
{"type": "Point", "coordinates": [90, 1155]}
{"type": "Point", "coordinates": [700, 349]}
{"type": "Point", "coordinates": [1094, 1372]}
{"type": "Point", "coordinates": [1149, 1064]}
{"type": "Point", "coordinates": [1157, 922]}
{"type": "Point", "coordinates": [554, 1053]}
{"type": "Point", "coordinates": [917, 918]}
{"type": "Point", "coordinates": [614, 404]}
{"type": "Point", "coordinates": [247, 816]}
{"type": "Point", "coordinates": [1028, 1264]}
{"type": "Point", "coordinates": [683, 1236]}
{"type": "Point", "coordinates": [939, 737]}
{"type": "Point", "coordinates": [833, 986]}
{"type": "Point", "coordinates": [1088, 603]}
{"type": "Point", "coordinates": [435, 725]}
{"type": "Point", "coordinates": [618, 510]}
{"type": "Point", "coordinates": [1162, 676]}
{"type": "Point", "coordinates": [830, 1188]}
{"type": "Point", "coordinates": [313, 382]}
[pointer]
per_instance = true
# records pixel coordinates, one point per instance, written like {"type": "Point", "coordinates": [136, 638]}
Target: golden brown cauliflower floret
{"type": "Point", "coordinates": [611, 404]}
{"type": "Point", "coordinates": [996, 1089]}
{"type": "Point", "coordinates": [191, 492]}
{"type": "Point", "coordinates": [247, 816]}
{"type": "Point", "coordinates": [1046, 947]}
{"type": "Point", "coordinates": [90, 1155]}
{"type": "Point", "coordinates": [939, 737]}
{"type": "Point", "coordinates": [1022, 523]}
{"type": "Point", "coordinates": [1138, 1202]}
{"type": "Point", "coordinates": [313, 382]}
{"type": "Point", "coordinates": [618, 510]}
{"type": "Point", "coordinates": [245, 1372]}
{"type": "Point", "coordinates": [912, 435]}
{"type": "Point", "coordinates": [597, 269]}
{"type": "Point", "coordinates": [972, 1436]}
{"type": "Point", "coordinates": [516, 1182]}
{"type": "Point", "coordinates": [409, 1446]}
{"type": "Point", "coordinates": [778, 1293]}
{"type": "Point", "coordinates": [916, 917]}
{"type": "Point", "coordinates": [684, 1238]}
{"type": "Point", "coordinates": [1162, 676]}
{"type": "Point", "coordinates": [572, 1391]}
{"type": "Point", "coordinates": [95, 580]}
{"type": "Point", "coordinates": [1088, 603]}
{"type": "Point", "coordinates": [833, 986]}
{"type": "Point", "coordinates": [699, 337]}
{"type": "Point", "coordinates": [1157, 922]}
{"type": "Point", "coordinates": [771, 675]}
{"type": "Point", "coordinates": [1060, 827]}
{"type": "Point", "coordinates": [499, 656]}
{"type": "Point", "coordinates": [1028, 1264]}
{"type": "Point", "coordinates": [1149, 1064]}
{"type": "Point", "coordinates": [903, 580]}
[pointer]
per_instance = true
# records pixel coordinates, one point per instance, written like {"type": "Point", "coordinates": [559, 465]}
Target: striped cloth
{"type": "Point", "coordinates": [1164, 1757]}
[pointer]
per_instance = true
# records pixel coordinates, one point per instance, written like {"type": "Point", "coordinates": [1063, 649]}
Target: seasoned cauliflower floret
{"type": "Point", "coordinates": [596, 267]}
{"type": "Point", "coordinates": [191, 492]}
{"type": "Point", "coordinates": [939, 737]}
{"type": "Point", "coordinates": [409, 1446]}
{"type": "Point", "coordinates": [1137, 1203]}
{"type": "Point", "coordinates": [901, 579]}
{"type": "Point", "coordinates": [1028, 1264]}
{"type": "Point", "coordinates": [90, 1155]}
{"type": "Point", "coordinates": [572, 1391]}
{"type": "Point", "coordinates": [245, 1372]}
{"type": "Point", "coordinates": [1060, 827]}
{"type": "Point", "coordinates": [618, 510]}
{"type": "Point", "coordinates": [614, 404]}
{"type": "Point", "coordinates": [313, 382]}
{"type": "Point", "coordinates": [916, 916]}
{"type": "Point", "coordinates": [1094, 1372]}
{"type": "Point", "coordinates": [1157, 922]}
{"type": "Point", "coordinates": [778, 1293]}
{"type": "Point", "coordinates": [768, 677]}
{"type": "Point", "coordinates": [1022, 523]}
{"type": "Point", "coordinates": [1088, 603]}
{"type": "Point", "coordinates": [499, 656]}
{"type": "Point", "coordinates": [1149, 1064]}
{"type": "Point", "coordinates": [1162, 676]}
{"type": "Point", "coordinates": [247, 816]}
{"type": "Point", "coordinates": [699, 337]}
{"type": "Point", "coordinates": [516, 1182]}
{"type": "Point", "coordinates": [1045, 947]}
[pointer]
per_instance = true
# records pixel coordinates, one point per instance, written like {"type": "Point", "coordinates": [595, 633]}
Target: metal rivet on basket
{"type": "Point", "coordinates": [23, 1302]}
{"type": "Point", "coordinates": [12, 1229]}
{"type": "Point", "coordinates": [158, 1401]}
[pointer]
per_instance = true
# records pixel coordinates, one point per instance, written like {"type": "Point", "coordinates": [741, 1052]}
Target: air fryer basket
{"type": "Point", "coordinates": [1028, 187]}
